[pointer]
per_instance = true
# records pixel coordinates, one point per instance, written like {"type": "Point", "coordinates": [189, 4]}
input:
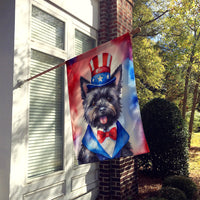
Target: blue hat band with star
{"type": "Point", "coordinates": [100, 80]}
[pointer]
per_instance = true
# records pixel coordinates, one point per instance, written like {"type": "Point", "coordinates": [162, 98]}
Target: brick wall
{"type": "Point", "coordinates": [115, 19]}
{"type": "Point", "coordinates": [118, 177]}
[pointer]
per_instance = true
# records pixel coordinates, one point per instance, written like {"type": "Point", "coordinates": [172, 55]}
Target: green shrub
{"type": "Point", "coordinates": [167, 138]}
{"type": "Point", "coordinates": [183, 183]}
{"type": "Point", "coordinates": [171, 193]}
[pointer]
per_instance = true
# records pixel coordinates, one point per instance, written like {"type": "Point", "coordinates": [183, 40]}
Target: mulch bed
{"type": "Point", "coordinates": [149, 186]}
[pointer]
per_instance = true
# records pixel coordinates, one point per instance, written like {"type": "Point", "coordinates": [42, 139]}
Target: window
{"type": "Point", "coordinates": [83, 43]}
{"type": "Point", "coordinates": [47, 29]}
{"type": "Point", "coordinates": [41, 155]}
{"type": "Point", "coordinates": [45, 139]}
{"type": "Point", "coordinates": [46, 104]}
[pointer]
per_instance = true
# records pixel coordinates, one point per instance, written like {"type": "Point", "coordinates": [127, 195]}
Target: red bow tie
{"type": "Point", "coordinates": [101, 136]}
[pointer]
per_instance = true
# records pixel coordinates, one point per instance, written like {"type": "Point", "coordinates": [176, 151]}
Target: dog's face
{"type": "Point", "coordinates": [102, 105]}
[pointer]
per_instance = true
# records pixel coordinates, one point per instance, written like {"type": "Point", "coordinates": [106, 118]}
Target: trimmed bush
{"type": "Point", "coordinates": [183, 183]}
{"type": "Point", "coordinates": [167, 138]}
{"type": "Point", "coordinates": [171, 193]}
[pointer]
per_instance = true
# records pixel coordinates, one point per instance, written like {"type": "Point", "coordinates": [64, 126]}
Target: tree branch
{"type": "Point", "coordinates": [150, 21]}
{"type": "Point", "coordinates": [151, 88]}
{"type": "Point", "coordinates": [146, 23]}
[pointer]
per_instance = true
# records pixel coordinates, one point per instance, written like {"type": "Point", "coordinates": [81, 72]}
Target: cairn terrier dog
{"type": "Point", "coordinates": [102, 109]}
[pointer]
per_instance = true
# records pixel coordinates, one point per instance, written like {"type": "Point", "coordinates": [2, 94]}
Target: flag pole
{"type": "Point", "coordinates": [20, 83]}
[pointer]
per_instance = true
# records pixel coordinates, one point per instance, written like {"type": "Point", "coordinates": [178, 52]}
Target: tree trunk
{"type": "Point", "coordinates": [194, 103]}
{"type": "Point", "coordinates": [185, 91]}
{"type": "Point", "coordinates": [188, 74]}
{"type": "Point", "coordinates": [198, 99]}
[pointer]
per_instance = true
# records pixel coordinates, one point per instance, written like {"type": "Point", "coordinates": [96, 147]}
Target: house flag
{"type": "Point", "coordinates": [104, 108]}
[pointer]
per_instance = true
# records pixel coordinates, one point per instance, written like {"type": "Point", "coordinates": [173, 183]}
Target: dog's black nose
{"type": "Point", "coordinates": [102, 109]}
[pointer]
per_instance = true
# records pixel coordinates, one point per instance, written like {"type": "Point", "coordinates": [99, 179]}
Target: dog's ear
{"type": "Point", "coordinates": [118, 75]}
{"type": "Point", "coordinates": [83, 84]}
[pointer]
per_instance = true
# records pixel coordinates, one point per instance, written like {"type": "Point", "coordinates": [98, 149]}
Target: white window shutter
{"type": "Point", "coordinates": [83, 43]}
{"type": "Point", "coordinates": [45, 140]}
{"type": "Point", "coordinates": [47, 29]}
{"type": "Point", "coordinates": [45, 134]}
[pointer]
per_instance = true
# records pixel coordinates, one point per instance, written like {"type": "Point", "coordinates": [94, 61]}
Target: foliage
{"type": "Point", "coordinates": [182, 183]}
{"type": "Point", "coordinates": [171, 31]}
{"type": "Point", "coordinates": [196, 124]}
{"type": "Point", "coordinates": [149, 15]}
{"type": "Point", "coordinates": [171, 193]}
{"type": "Point", "coordinates": [149, 67]}
{"type": "Point", "coordinates": [174, 71]}
{"type": "Point", "coordinates": [149, 70]}
{"type": "Point", "coordinates": [182, 32]}
{"type": "Point", "coordinates": [166, 135]}
{"type": "Point", "coordinates": [181, 39]}
{"type": "Point", "coordinates": [194, 163]}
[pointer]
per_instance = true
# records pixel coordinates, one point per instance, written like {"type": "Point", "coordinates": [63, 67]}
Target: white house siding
{"type": "Point", "coordinates": [86, 10]}
{"type": "Point", "coordinates": [73, 182]}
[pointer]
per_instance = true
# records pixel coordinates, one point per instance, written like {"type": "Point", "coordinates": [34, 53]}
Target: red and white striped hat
{"type": "Point", "coordinates": [100, 70]}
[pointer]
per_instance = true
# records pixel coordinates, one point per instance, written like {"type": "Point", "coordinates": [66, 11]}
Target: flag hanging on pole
{"type": "Point", "coordinates": [104, 108]}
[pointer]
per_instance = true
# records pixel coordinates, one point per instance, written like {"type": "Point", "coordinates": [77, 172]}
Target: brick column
{"type": "Point", "coordinates": [123, 178]}
{"type": "Point", "coordinates": [118, 177]}
{"type": "Point", "coordinates": [115, 19]}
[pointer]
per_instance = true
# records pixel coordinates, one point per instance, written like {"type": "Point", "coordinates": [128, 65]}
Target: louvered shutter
{"type": "Point", "coordinates": [83, 42]}
{"type": "Point", "coordinates": [45, 138]}
{"type": "Point", "coordinates": [46, 28]}
{"type": "Point", "coordinates": [45, 143]}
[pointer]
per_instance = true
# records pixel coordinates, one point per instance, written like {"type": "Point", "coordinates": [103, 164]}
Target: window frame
{"type": "Point", "coordinates": [51, 51]}
{"type": "Point", "coordinates": [70, 25]}
{"type": "Point", "coordinates": [58, 183]}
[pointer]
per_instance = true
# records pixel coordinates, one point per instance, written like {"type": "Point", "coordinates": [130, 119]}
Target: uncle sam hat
{"type": "Point", "coordinates": [100, 71]}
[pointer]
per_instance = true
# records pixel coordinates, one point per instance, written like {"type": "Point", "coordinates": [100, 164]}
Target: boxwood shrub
{"type": "Point", "coordinates": [171, 193]}
{"type": "Point", "coordinates": [167, 138]}
{"type": "Point", "coordinates": [183, 183]}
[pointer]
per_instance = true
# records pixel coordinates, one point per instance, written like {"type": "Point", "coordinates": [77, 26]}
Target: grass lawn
{"type": "Point", "coordinates": [194, 159]}
{"type": "Point", "coordinates": [195, 141]}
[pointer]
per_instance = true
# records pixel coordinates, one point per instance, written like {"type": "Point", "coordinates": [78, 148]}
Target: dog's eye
{"type": "Point", "coordinates": [93, 103]}
{"type": "Point", "coordinates": [109, 99]}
